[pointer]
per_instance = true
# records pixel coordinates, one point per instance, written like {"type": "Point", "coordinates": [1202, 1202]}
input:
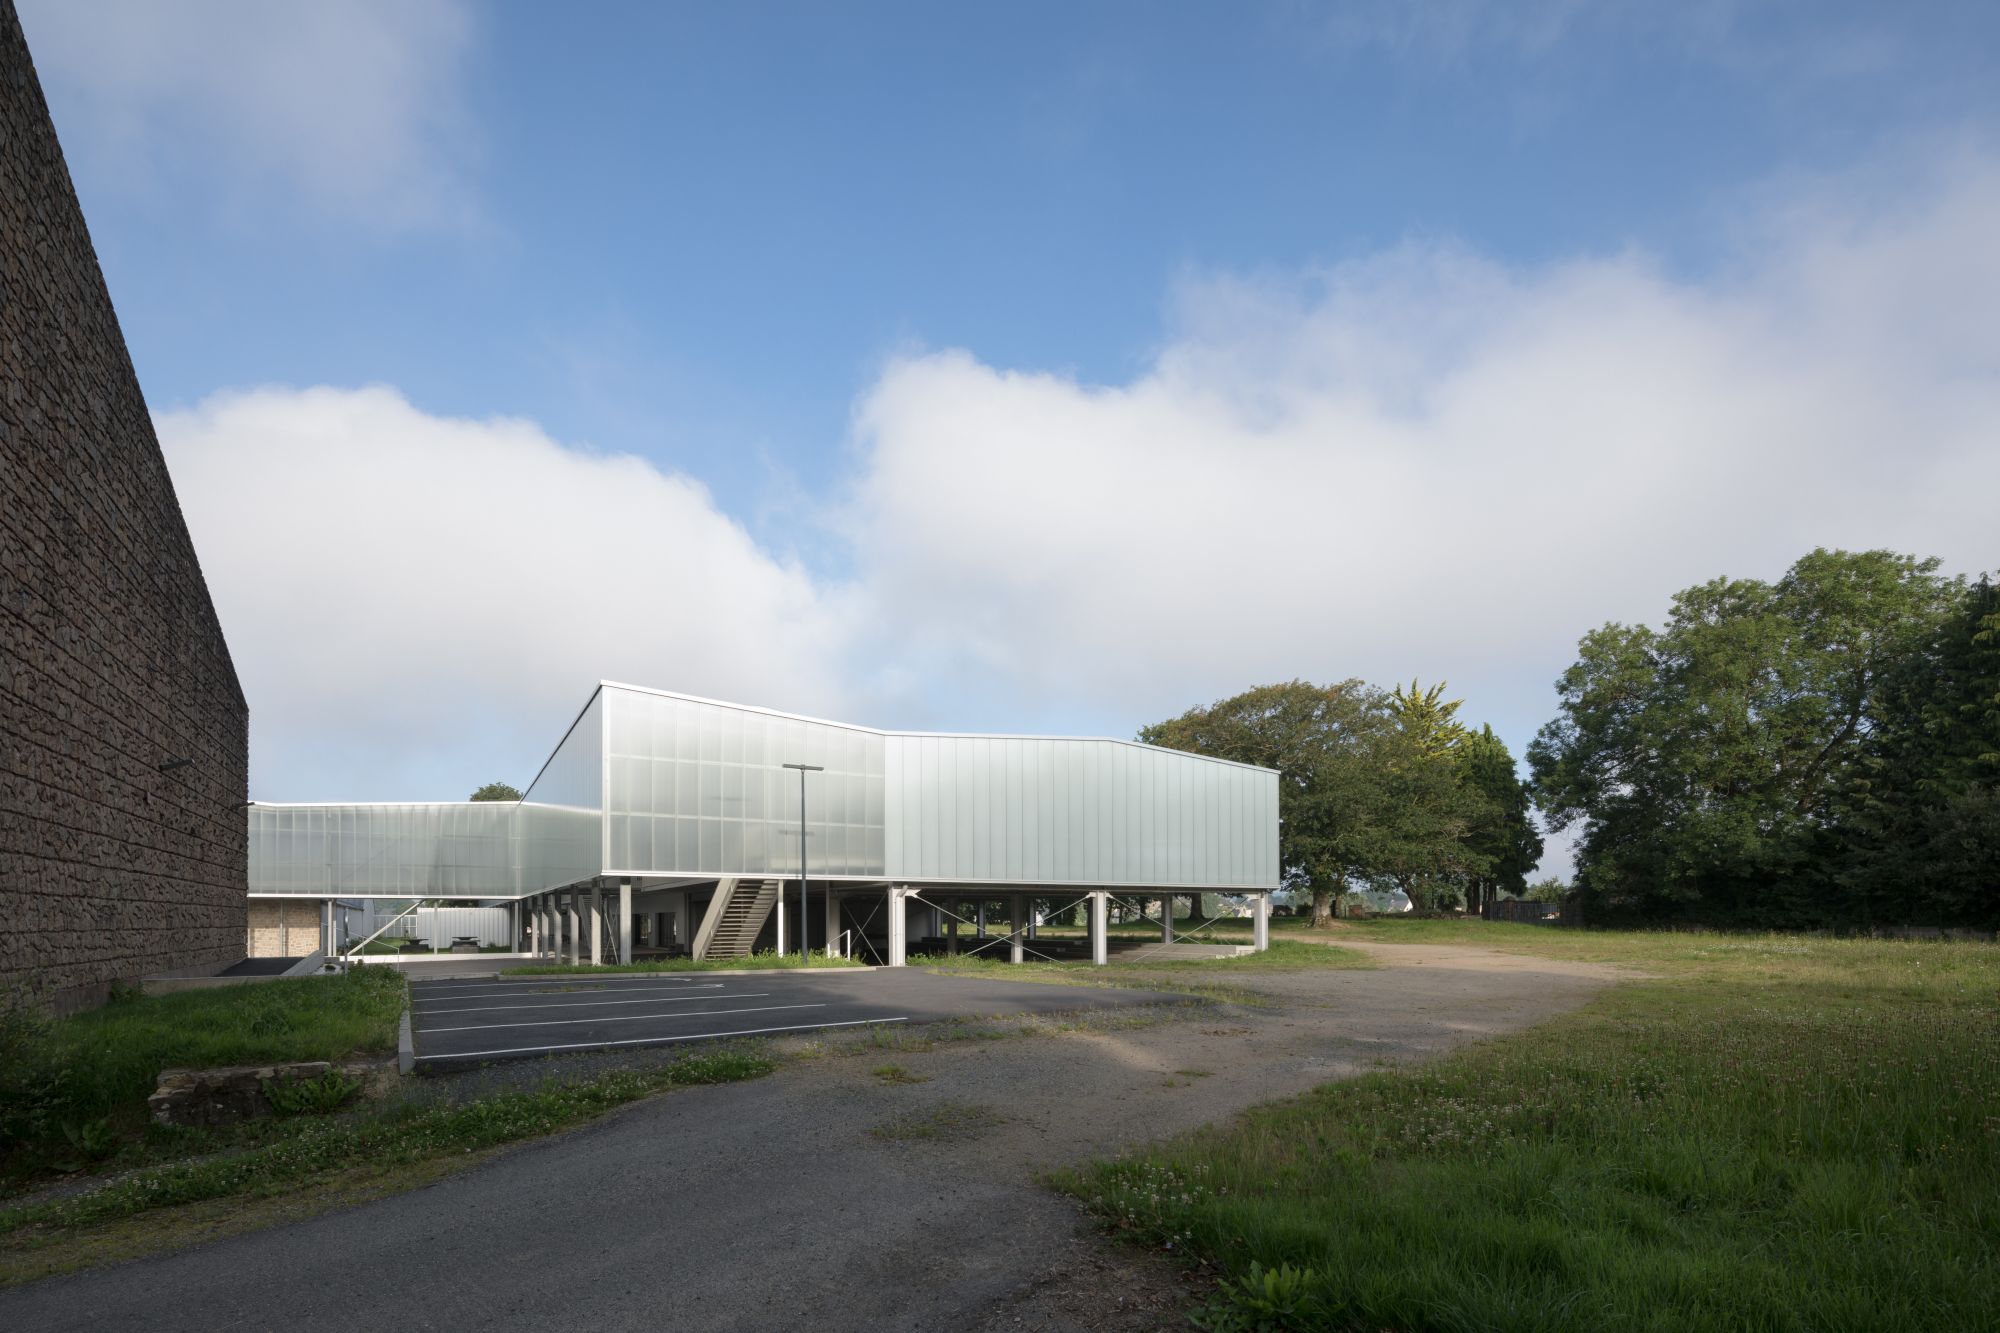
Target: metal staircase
{"type": "Point", "coordinates": [736, 917]}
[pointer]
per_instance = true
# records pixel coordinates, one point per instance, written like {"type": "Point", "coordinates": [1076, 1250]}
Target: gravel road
{"type": "Point", "coordinates": [823, 1193]}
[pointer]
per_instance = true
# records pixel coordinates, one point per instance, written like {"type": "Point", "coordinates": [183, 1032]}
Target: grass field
{"type": "Point", "coordinates": [1775, 1133]}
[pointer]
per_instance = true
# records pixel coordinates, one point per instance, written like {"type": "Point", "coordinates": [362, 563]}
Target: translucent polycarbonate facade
{"type": "Point", "coordinates": [1034, 809]}
{"type": "Point", "coordinates": [700, 788]}
{"type": "Point", "coordinates": [455, 850]}
{"type": "Point", "coordinates": [648, 784]}
{"type": "Point", "coordinates": [562, 813]}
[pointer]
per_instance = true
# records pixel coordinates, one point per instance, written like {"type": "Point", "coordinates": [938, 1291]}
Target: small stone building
{"type": "Point", "coordinates": [123, 732]}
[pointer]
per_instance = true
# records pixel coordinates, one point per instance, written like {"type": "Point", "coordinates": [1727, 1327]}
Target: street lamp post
{"type": "Point", "coordinates": [805, 947]}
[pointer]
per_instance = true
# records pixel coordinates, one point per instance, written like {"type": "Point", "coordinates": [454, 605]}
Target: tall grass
{"type": "Point", "coordinates": [1789, 1133]}
{"type": "Point", "coordinates": [104, 1063]}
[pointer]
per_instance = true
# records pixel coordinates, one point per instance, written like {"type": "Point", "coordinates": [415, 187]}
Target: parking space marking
{"type": "Point", "coordinates": [548, 998]}
{"type": "Point", "coordinates": [558, 988]}
{"type": "Point", "coordinates": [662, 1041]}
{"type": "Point", "coordinates": [599, 1004]}
{"type": "Point", "coordinates": [617, 1018]}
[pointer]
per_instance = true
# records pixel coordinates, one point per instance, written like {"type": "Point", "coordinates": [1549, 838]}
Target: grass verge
{"type": "Point", "coordinates": [1779, 1133]}
{"type": "Point", "coordinates": [43, 1238]}
{"type": "Point", "coordinates": [87, 1077]}
{"type": "Point", "coordinates": [1206, 977]}
{"type": "Point", "coordinates": [755, 962]}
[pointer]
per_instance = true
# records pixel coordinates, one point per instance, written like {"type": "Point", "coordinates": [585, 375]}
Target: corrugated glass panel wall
{"type": "Point", "coordinates": [699, 788]}
{"type": "Point", "coordinates": [1053, 811]}
{"type": "Point", "coordinates": [441, 850]}
{"type": "Point", "coordinates": [562, 815]}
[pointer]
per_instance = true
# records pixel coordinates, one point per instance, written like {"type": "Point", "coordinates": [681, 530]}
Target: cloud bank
{"type": "Point", "coordinates": [1425, 461]}
{"type": "Point", "coordinates": [400, 588]}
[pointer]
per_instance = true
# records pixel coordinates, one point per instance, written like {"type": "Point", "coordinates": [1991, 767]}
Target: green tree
{"type": "Point", "coordinates": [1920, 835]}
{"type": "Point", "coordinates": [1328, 744]}
{"type": "Point", "coordinates": [1502, 833]}
{"type": "Point", "coordinates": [1428, 718]}
{"type": "Point", "coordinates": [1704, 760]}
{"type": "Point", "coordinates": [496, 791]}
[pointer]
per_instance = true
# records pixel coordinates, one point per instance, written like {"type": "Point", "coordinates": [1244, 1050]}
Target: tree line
{"type": "Point", "coordinates": [1376, 789]}
{"type": "Point", "coordinates": [1820, 751]}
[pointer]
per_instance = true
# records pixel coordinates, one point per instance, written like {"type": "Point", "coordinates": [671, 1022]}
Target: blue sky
{"type": "Point", "coordinates": [925, 323]}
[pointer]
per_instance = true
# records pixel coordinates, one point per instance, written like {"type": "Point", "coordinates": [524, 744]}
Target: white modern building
{"type": "Point", "coordinates": [664, 823]}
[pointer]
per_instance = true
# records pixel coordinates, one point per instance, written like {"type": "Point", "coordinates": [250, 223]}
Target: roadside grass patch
{"type": "Point", "coordinates": [296, 1153]}
{"type": "Point", "coordinates": [88, 1075]}
{"type": "Point", "coordinates": [752, 962]}
{"type": "Point", "coordinates": [947, 1122]}
{"type": "Point", "coordinates": [1782, 1133]}
{"type": "Point", "coordinates": [897, 1074]}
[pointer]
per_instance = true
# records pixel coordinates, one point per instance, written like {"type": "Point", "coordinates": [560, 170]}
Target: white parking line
{"type": "Point", "coordinates": [557, 984]}
{"type": "Point", "coordinates": [663, 1041]}
{"type": "Point", "coordinates": [616, 1018]}
{"type": "Point", "coordinates": [530, 994]}
{"type": "Point", "coordinates": [594, 1004]}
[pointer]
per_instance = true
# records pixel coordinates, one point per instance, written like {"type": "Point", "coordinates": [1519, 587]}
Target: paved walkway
{"type": "Point", "coordinates": [804, 1198]}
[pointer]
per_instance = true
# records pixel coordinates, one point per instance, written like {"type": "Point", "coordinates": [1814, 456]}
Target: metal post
{"type": "Point", "coordinates": [1100, 921]}
{"type": "Point", "coordinates": [575, 927]}
{"type": "Point", "coordinates": [982, 918]}
{"type": "Point", "coordinates": [832, 920]}
{"type": "Point", "coordinates": [624, 921]}
{"type": "Point", "coordinates": [805, 950]}
{"type": "Point", "coordinates": [1166, 918]}
{"type": "Point", "coordinates": [899, 924]}
{"type": "Point", "coordinates": [1261, 913]}
{"type": "Point", "coordinates": [1017, 926]}
{"type": "Point", "coordinates": [596, 925]}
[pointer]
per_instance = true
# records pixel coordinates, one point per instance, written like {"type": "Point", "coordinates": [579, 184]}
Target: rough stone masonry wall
{"type": "Point", "coordinates": [112, 663]}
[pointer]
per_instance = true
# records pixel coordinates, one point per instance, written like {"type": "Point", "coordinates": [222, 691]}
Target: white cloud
{"type": "Point", "coordinates": [356, 107]}
{"type": "Point", "coordinates": [410, 596]}
{"type": "Point", "coordinates": [1424, 462]}
{"type": "Point", "coordinates": [1430, 462]}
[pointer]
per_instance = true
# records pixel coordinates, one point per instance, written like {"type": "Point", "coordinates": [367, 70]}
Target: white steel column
{"type": "Point", "coordinates": [982, 918]}
{"type": "Point", "coordinates": [951, 927]}
{"type": "Point", "coordinates": [596, 925]}
{"type": "Point", "coordinates": [1167, 918]}
{"type": "Point", "coordinates": [1018, 926]}
{"type": "Point", "coordinates": [899, 927]}
{"type": "Point", "coordinates": [624, 921]}
{"type": "Point", "coordinates": [832, 922]}
{"type": "Point", "coordinates": [575, 926]}
{"type": "Point", "coordinates": [1100, 921]}
{"type": "Point", "coordinates": [781, 919]}
{"type": "Point", "coordinates": [1261, 914]}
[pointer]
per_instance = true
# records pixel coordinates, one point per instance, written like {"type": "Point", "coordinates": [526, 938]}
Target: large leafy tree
{"type": "Point", "coordinates": [1920, 837]}
{"type": "Point", "coordinates": [1502, 833]}
{"type": "Point", "coordinates": [1704, 760]}
{"type": "Point", "coordinates": [1428, 718]}
{"type": "Point", "coordinates": [496, 791]}
{"type": "Point", "coordinates": [1335, 797]}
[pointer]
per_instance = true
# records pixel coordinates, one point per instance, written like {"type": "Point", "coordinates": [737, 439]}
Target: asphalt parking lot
{"type": "Point", "coordinates": [497, 1018]}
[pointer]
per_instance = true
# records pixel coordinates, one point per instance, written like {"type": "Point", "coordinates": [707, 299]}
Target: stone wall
{"type": "Point", "coordinates": [117, 859]}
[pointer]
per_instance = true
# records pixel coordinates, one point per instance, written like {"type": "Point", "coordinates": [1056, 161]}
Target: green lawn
{"type": "Point", "coordinates": [1777, 1133]}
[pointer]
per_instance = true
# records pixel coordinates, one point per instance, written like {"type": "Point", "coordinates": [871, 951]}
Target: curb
{"type": "Point", "coordinates": [406, 1049]}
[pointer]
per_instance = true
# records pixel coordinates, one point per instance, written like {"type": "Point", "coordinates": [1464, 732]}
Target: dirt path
{"type": "Point", "coordinates": [827, 1193]}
